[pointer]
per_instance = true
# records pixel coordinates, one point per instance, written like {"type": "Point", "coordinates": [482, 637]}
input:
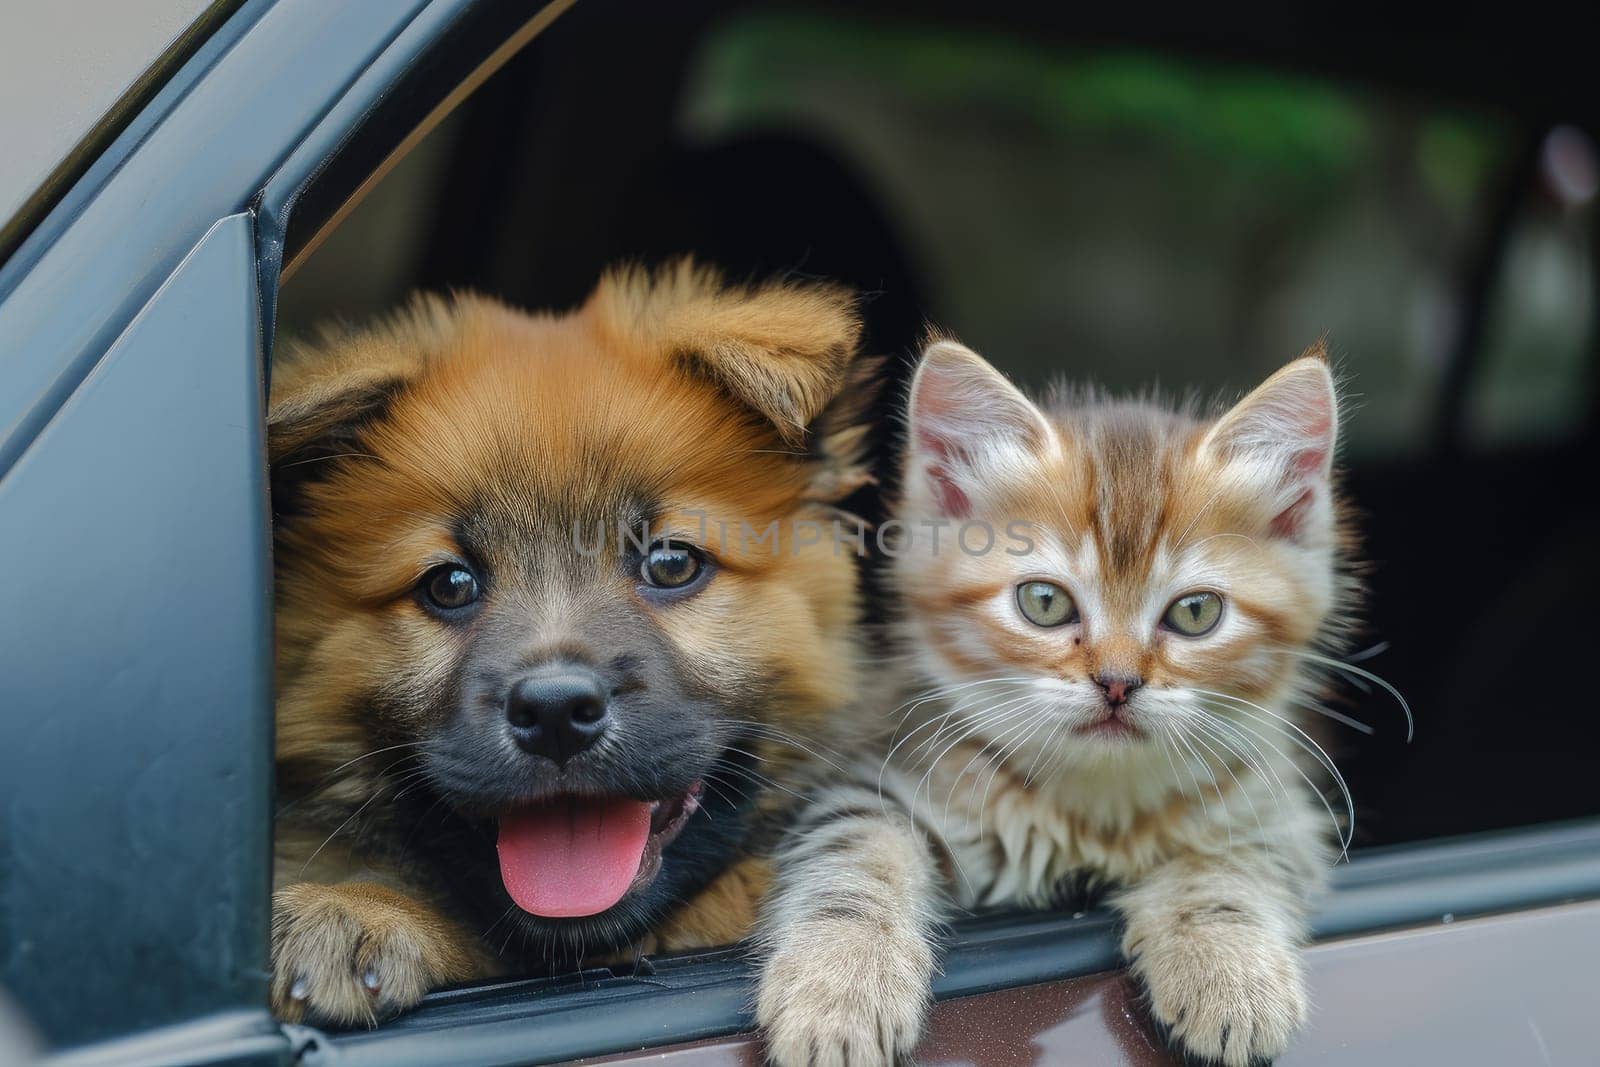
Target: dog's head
{"type": "Point", "coordinates": [558, 592]}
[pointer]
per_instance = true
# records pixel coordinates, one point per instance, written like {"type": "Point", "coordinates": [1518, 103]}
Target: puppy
{"type": "Point", "coordinates": [552, 611]}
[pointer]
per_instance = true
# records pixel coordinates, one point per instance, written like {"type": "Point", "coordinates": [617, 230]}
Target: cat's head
{"type": "Point", "coordinates": [1112, 574]}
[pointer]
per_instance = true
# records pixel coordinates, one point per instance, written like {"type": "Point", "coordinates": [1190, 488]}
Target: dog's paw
{"type": "Point", "coordinates": [1228, 992]}
{"type": "Point", "coordinates": [355, 953]}
{"type": "Point", "coordinates": [842, 993]}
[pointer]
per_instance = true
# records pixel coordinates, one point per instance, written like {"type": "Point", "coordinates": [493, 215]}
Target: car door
{"type": "Point", "coordinates": [135, 738]}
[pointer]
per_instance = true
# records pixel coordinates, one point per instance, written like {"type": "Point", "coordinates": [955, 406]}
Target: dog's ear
{"type": "Point", "coordinates": [782, 349]}
{"type": "Point", "coordinates": [841, 436]}
{"type": "Point", "coordinates": [320, 421]}
{"type": "Point", "coordinates": [326, 394]}
{"type": "Point", "coordinates": [309, 430]}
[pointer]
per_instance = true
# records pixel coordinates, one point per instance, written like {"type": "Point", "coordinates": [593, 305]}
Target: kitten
{"type": "Point", "coordinates": [1107, 617]}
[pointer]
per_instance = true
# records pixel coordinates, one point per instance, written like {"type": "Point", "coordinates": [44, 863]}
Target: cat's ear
{"type": "Point", "coordinates": [967, 425]}
{"type": "Point", "coordinates": [1279, 441]}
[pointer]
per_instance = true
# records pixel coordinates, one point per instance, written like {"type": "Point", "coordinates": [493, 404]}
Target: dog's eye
{"type": "Point", "coordinates": [449, 587]}
{"type": "Point", "coordinates": [670, 566]}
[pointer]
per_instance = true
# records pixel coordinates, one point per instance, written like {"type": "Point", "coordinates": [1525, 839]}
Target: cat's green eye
{"type": "Point", "coordinates": [1194, 614]}
{"type": "Point", "coordinates": [1045, 604]}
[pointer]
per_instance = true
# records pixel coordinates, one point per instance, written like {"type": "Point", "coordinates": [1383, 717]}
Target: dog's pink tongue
{"type": "Point", "coordinates": [573, 857]}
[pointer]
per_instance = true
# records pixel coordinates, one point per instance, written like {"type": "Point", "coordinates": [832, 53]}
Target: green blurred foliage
{"type": "Point", "coordinates": [1288, 127]}
{"type": "Point", "coordinates": [1130, 215]}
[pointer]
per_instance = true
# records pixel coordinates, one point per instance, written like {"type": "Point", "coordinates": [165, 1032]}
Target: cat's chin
{"type": "Point", "coordinates": [1112, 727]}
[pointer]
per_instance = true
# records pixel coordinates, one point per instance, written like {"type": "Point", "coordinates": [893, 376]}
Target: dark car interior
{"type": "Point", "coordinates": [1009, 177]}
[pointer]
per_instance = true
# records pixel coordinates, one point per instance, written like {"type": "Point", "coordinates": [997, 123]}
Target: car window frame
{"type": "Point", "coordinates": [709, 994]}
{"type": "Point", "coordinates": [109, 264]}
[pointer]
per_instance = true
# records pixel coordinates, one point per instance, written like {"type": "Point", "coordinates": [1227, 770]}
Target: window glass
{"type": "Point", "coordinates": [1133, 216]}
{"type": "Point", "coordinates": [1534, 367]}
{"type": "Point", "coordinates": [1097, 211]}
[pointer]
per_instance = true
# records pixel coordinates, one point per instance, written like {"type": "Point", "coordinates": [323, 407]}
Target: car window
{"type": "Point", "coordinates": [1138, 216]}
{"type": "Point", "coordinates": [1125, 215]}
{"type": "Point", "coordinates": [1128, 215]}
{"type": "Point", "coordinates": [1531, 383]}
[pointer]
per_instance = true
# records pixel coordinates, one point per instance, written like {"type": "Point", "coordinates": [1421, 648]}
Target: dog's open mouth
{"type": "Point", "coordinates": [573, 856]}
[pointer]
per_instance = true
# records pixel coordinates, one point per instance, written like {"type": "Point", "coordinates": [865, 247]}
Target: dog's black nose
{"type": "Point", "coordinates": [557, 714]}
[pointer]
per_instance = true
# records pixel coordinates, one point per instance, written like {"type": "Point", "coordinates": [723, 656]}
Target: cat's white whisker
{"type": "Point", "coordinates": [1223, 537]}
{"type": "Point", "coordinates": [1178, 736]}
{"type": "Point", "coordinates": [1328, 713]}
{"type": "Point", "coordinates": [822, 753]}
{"type": "Point", "coordinates": [945, 716]}
{"type": "Point", "coordinates": [1250, 752]}
{"type": "Point", "coordinates": [1359, 672]}
{"type": "Point", "coordinates": [963, 717]}
{"type": "Point", "coordinates": [926, 695]}
{"type": "Point", "coordinates": [1206, 725]}
{"type": "Point", "coordinates": [1192, 739]}
{"type": "Point", "coordinates": [756, 777]}
{"type": "Point", "coordinates": [1346, 833]}
{"type": "Point", "coordinates": [1046, 746]}
{"type": "Point", "coordinates": [1040, 716]}
{"type": "Point", "coordinates": [1164, 732]}
{"type": "Point", "coordinates": [1182, 540]}
{"type": "Point", "coordinates": [1200, 736]}
{"type": "Point", "coordinates": [1287, 723]}
{"type": "Point", "coordinates": [1377, 649]}
{"type": "Point", "coordinates": [987, 720]}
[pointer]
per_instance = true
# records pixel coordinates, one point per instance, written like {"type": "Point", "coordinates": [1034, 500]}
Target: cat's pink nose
{"type": "Point", "coordinates": [1117, 687]}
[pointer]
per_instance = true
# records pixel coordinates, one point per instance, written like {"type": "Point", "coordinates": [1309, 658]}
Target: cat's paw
{"type": "Point", "coordinates": [1227, 991]}
{"type": "Point", "coordinates": [844, 993]}
{"type": "Point", "coordinates": [355, 953]}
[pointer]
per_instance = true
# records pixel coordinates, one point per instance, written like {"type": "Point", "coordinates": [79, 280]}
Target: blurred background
{"type": "Point", "coordinates": [1130, 208]}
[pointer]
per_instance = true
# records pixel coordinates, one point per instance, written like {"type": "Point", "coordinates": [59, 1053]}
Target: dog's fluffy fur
{"type": "Point", "coordinates": [465, 430]}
